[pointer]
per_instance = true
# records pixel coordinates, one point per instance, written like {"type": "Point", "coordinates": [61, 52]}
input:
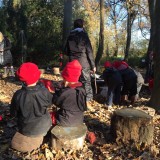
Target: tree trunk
{"type": "Point", "coordinates": [101, 34]}
{"type": "Point", "coordinates": [131, 126]}
{"type": "Point", "coordinates": [130, 19]}
{"type": "Point", "coordinates": [107, 50]}
{"type": "Point", "coordinates": [150, 46]}
{"type": "Point", "coordinates": [67, 21]}
{"type": "Point", "coordinates": [155, 100]}
{"type": "Point", "coordinates": [115, 32]}
{"type": "Point", "coordinates": [129, 26]}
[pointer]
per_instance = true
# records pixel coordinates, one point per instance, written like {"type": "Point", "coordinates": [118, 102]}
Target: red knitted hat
{"type": "Point", "coordinates": [120, 65]}
{"type": "Point", "coordinates": [72, 71]}
{"type": "Point", "coordinates": [125, 63]}
{"type": "Point", "coordinates": [107, 64]}
{"type": "Point", "coordinates": [28, 73]}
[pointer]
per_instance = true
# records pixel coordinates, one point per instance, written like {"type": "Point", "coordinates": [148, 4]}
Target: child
{"type": "Point", "coordinates": [29, 106]}
{"type": "Point", "coordinates": [129, 79]}
{"type": "Point", "coordinates": [113, 81]}
{"type": "Point", "coordinates": [71, 97]}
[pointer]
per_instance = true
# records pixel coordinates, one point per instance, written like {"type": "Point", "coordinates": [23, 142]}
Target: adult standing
{"type": "Point", "coordinates": [79, 47]}
{"type": "Point", "coordinates": [5, 55]}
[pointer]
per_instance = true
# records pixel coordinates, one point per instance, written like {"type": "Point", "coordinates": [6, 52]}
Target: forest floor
{"type": "Point", "coordinates": [97, 120]}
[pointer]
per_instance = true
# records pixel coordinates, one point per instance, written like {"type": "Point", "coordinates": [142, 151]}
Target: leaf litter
{"type": "Point", "coordinates": [97, 120]}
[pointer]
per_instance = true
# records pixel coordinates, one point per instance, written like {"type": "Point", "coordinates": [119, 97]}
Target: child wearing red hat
{"type": "Point", "coordinates": [113, 81]}
{"type": "Point", "coordinates": [29, 105]}
{"type": "Point", "coordinates": [71, 98]}
{"type": "Point", "coordinates": [129, 78]}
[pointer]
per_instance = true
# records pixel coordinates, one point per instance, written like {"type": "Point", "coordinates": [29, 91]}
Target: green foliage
{"type": "Point", "coordinates": [41, 22]}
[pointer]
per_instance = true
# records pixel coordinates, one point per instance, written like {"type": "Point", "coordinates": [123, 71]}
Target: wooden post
{"type": "Point", "coordinates": [132, 125]}
{"type": "Point", "coordinates": [68, 137]}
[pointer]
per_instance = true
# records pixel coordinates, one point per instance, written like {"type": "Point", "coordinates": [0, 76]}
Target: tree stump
{"type": "Point", "coordinates": [23, 143]}
{"type": "Point", "coordinates": [132, 126]}
{"type": "Point", "coordinates": [68, 137]}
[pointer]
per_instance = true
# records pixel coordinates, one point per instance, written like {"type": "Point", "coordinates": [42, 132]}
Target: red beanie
{"type": "Point", "coordinates": [107, 64]}
{"type": "Point", "coordinates": [120, 65]}
{"type": "Point", "coordinates": [28, 73]}
{"type": "Point", "coordinates": [125, 63]}
{"type": "Point", "coordinates": [72, 71]}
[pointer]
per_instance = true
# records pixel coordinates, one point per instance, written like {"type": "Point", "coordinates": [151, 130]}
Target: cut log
{"type": "Point", "coordinates": [130, 125]}
{"type": "Point", "coordinates": [56, 70]}
{"type": "Point", "coordinates": [147, 110]}
{"type": "Point", "coordinates": [23, 143]}
{"type": "Point", "coordinates": [68, 137]}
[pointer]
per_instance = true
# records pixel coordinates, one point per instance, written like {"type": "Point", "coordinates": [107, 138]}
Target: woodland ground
{"type": "Point", "coordinates": [97, 121]}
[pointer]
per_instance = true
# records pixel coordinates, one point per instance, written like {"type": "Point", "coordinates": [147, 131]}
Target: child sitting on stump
{"type": "Point", "coordinates": [29, 106]}
{"type": "Point", "coordinates": [71, 97]}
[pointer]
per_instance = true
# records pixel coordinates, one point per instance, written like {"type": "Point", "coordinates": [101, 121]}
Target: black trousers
{"type": "Point", "coordinates": [85, 78]}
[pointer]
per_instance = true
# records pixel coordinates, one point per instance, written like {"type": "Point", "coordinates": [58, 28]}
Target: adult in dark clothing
{"type": "Point", "coordinates": [71, 98]}
{"type": "Point", "coordinates": [113, 81]}
{"type": "Point", "coordinates": [29, 105]}
{"type": "Point", "coordinates": [129, 79]}
{"type": "Point", "coordinates": [78, 47]}
{"type": "Point", "coordinates": [5, 55]}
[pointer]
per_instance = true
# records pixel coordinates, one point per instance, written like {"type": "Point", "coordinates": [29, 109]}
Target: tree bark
{"type": "Point", "coordinates": [67, 21]}
{"type": "Point", "coordinates": [101, 34]}
{"type": "Point", "coordinates": [130, 19]}
{"type": "Point", "coordinates": [115, 32]}
{"type": "Point", "coordinates": [155, 98]}
{"type": "Point", "coordinates": [131, 126]}
{"type": "Point", "coordinates": [128, 36]}
{"type": "Point", "coordinates": [150, 46]}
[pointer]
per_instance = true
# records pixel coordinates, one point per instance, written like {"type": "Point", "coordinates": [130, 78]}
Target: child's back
{"type": "Point", "coordinates": [72, 104]}
{"type": "Point", "coordinates": [29, 104]}
{"type": "Point", "coordinates": [71, 98]}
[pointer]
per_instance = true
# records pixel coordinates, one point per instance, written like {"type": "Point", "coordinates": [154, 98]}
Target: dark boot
{"type": "Point", "coordinates": [133, 99]}
{"type": "Point", "coordinates": [123, 100]}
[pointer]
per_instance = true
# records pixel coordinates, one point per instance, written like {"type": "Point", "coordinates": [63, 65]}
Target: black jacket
{"type": "Point", "coordinates": [128, 74]}
{"type": "Point", "coordinates": [79, 47]}
{"type": "Point", "coordinates": [112, 77]}
{"type": "Point", "coordinates": [29, 105]}
{"type": "Point", "coordinates": [72, 104]}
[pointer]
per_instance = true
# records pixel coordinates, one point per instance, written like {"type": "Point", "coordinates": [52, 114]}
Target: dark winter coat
{"type": "Point", "coordinates": [79, 47]}
{"type": "Point", "coordinates": [128, 74]}
{"type": "Point", "coordinates": [129, 78]}
{"type": "Point", "coordinates": [112, 77]}
{"type": "Point", "coordinates": [5, 56]}
{"type": "Point", "coordinates": [113, 80]}
{"type": "Point", "coordinates": [29, 105]}
{"type": "Point", "coordinates": [72, 104]}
